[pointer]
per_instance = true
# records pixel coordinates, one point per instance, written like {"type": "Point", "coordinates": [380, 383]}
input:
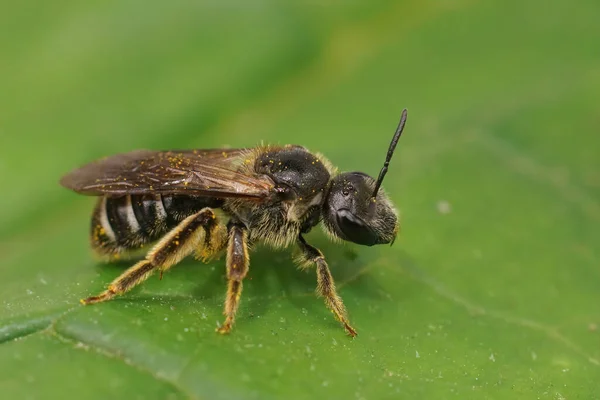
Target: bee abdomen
{"type": "Point", "coordinates": [129, 222]}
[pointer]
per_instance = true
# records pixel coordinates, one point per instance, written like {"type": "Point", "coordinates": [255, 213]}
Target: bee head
{"type": "Point", "coordinates": [357, 209]}
{"type": "Point", "coordinates": [351, 213]}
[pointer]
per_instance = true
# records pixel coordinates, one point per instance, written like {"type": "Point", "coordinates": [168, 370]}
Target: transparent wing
{"type": "Point", "coordinates": [210, 172]}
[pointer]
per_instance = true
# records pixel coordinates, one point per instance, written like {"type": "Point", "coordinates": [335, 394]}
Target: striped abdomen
{"type": "Point", "coordinates": [129, 222]}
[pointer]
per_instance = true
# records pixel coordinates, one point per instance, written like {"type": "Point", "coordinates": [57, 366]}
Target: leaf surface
{"type": "Point", "coordinates": [491, 290]}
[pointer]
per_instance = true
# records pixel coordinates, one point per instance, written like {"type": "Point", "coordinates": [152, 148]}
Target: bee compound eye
{"type": "Point", "coordinates": [355, 229]}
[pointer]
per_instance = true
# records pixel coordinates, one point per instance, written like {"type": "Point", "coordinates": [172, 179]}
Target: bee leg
{"type": "Point", "coordinates": [325, 284]}
{"type": "Point", "coordinates": [237, 268]}
{"type": "Point", "coordinates": [172, 248]}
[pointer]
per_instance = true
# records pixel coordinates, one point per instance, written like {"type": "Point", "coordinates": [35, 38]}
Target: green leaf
{"type": "Point", "coordinates": [491, 290]}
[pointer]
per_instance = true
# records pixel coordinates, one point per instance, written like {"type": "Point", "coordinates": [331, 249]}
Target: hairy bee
{"type": "Point", "coordinates": [266, 194]}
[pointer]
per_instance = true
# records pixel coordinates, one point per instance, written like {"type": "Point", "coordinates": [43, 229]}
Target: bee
{"type": "Point", "coordinates": [206, 202]}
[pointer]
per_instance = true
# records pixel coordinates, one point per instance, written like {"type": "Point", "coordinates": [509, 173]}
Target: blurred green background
{"type": "Point", "coordinates": [492, 289]}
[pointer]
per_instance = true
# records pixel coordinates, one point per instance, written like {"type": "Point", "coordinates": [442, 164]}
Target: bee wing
{"type": "Point", "coordinates": [211, 172]}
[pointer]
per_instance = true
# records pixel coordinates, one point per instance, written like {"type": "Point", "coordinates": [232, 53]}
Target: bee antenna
{"type": "Point", "coordinates": [390, 153]}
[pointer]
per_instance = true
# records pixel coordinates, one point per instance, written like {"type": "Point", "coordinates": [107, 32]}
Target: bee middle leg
{"type": "Point", "coordinates": [238, 262]}
{"type": "Point", "coordinates": [180, 242]}
{"type": "Point", "coordinates": [325, 284]}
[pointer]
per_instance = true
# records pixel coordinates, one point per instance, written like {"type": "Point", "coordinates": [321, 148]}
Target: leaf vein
{"type": "Point", "coordinates": [79, 344]}
{"type": "Point", "coordinates": [473, 309]}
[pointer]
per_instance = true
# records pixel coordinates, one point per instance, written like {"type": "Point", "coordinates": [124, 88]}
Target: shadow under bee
{"type": "Point", "coordinates": [273, 279]}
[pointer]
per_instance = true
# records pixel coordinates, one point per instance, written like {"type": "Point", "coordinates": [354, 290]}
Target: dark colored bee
{"type": "Point", "coordinates": [266, 194]}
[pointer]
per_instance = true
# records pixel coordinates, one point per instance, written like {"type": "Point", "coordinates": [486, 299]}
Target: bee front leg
{"type": "Point", "coordinates": [238, 262]}
{"type": "Point", "coordinates": [325, 284]}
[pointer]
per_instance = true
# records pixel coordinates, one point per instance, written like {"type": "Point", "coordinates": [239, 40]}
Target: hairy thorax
{"type": "Point", "coordinates": [302, 178]}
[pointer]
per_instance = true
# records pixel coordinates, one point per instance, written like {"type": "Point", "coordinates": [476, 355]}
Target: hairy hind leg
{"type": "Point", "coordinates": [180, 242]}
